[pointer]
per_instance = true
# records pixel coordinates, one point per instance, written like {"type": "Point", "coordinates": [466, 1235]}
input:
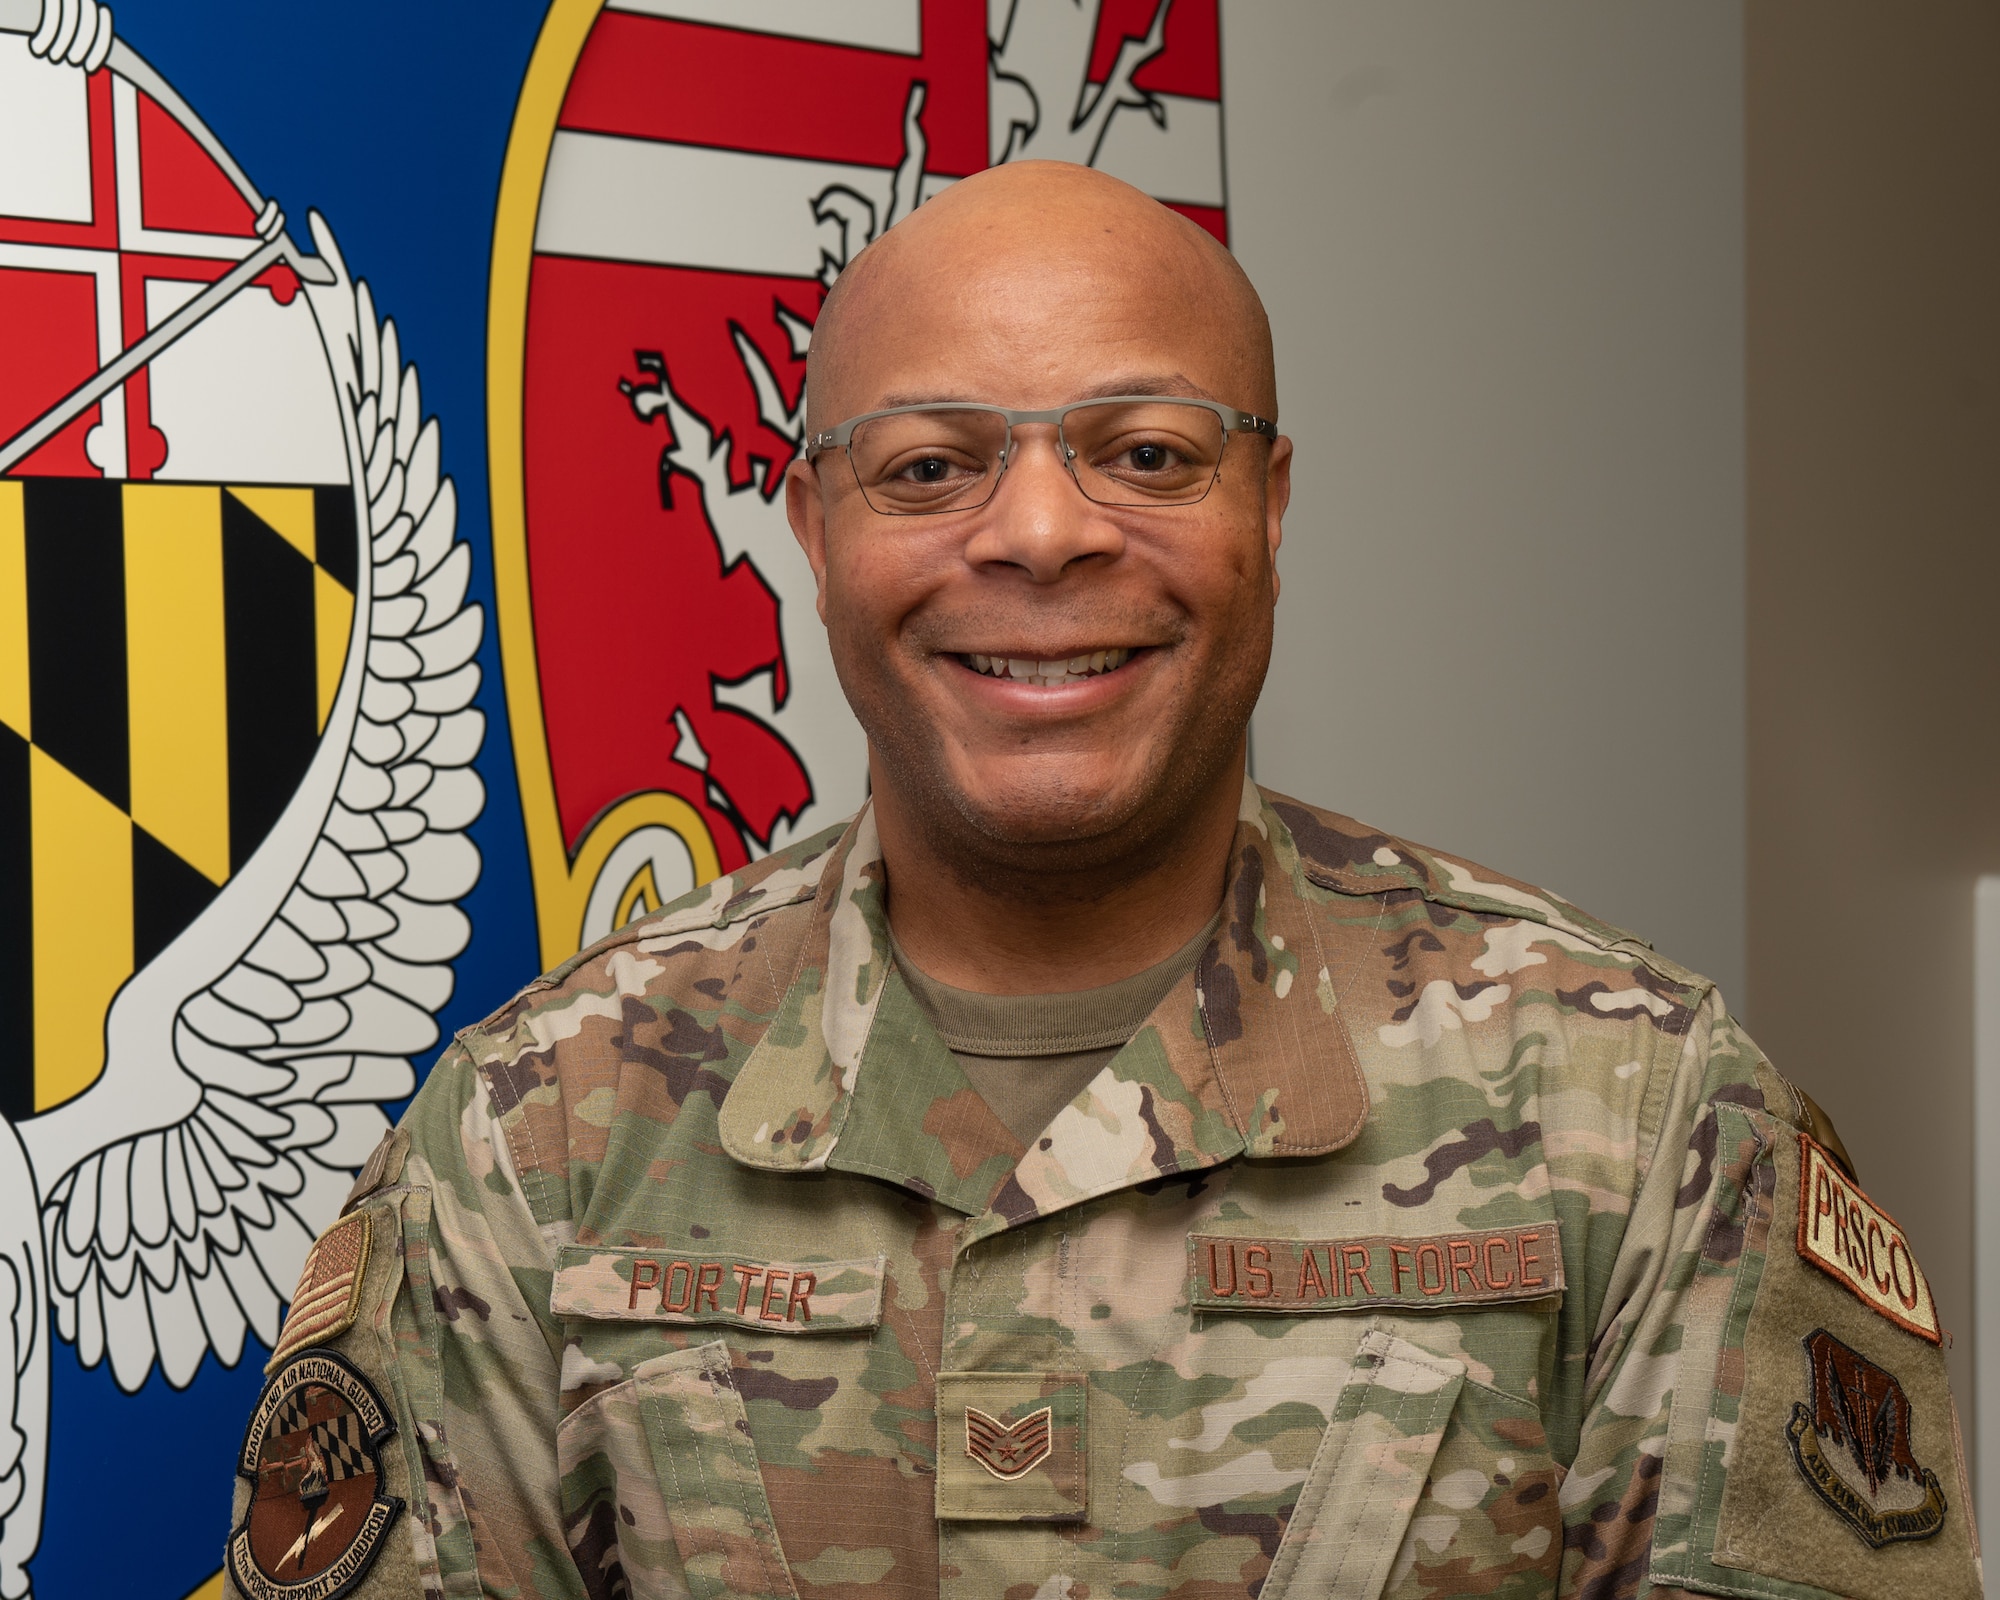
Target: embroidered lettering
{"type": "Point", "coordinates": [1851, 1437]}
{"type": "Point", "coordinates": [1257, 1272]}
{"type": "Point", "coordinates": [1857, 1244]}
{"type": "Point", "coordinates": [1907, 1297]}
{"type": "Point", "coordinates": [625, 1284]}
{"type": "Point", "coordinates": [1215, 1283]}
{"type": "Point", "coordinates": [1431, 1254]}
{"type": "Point", "coordinates": [1292, 1275]}
{"type": "Point", "coordinates": [1533, 1258]}
{"type": "Point", "coordinates": [1464, 1266]}
{"type": "Point", "coordinates": [1354, 1269]}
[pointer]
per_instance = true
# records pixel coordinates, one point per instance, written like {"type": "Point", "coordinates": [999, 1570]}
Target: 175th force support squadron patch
{"type": "Point", "coordinates": [317, 1516]}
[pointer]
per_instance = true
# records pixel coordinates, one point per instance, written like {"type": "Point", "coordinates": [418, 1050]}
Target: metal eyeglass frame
{"type": "Point", "coordinates": [841, 436]}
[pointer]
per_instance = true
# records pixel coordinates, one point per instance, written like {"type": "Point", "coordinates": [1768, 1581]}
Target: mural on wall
{"type": "Point", "coordinates": [677, 197]}
{"type": "Point", "coordinates": [272, 821]}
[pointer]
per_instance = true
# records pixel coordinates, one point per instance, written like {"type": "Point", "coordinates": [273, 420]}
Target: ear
{"type": "Point", "coordinates": [1277, 496]}
{"type": "Point", "coordinates": [806, 511]}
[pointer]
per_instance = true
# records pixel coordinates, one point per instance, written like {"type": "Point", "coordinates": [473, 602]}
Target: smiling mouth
{"type": "Point", "coordinates": [1049, 674]}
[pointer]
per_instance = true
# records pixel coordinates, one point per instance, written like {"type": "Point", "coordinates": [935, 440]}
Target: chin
{"type": "Point", "coordinates": [1046, 808]}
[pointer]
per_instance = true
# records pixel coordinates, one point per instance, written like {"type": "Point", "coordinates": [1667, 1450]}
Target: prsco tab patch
{"type": "Point", "coordinates": [313, 1454]}
{"type": "Point", "coordinates": [1854, 1241]}
{"type": "Point", "coordinates": [1289, 1276]}
{"type": "Point", "coordinates": [628, 1285]}
{"type": "Point", "coordinates": [1851, 1440]}
{"type": "Point", "coordinates": [329, 1290]}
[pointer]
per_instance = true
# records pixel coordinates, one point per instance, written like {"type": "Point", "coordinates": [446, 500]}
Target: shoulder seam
{"type": "Point", "coordinates": [1656, 1100]}
{"type": "Point", "coordinates": [530, 1193]}
{"type": "Point", "coordinates": [717, 915]}
{"type": "Point", "coordinates": [1625, 943]}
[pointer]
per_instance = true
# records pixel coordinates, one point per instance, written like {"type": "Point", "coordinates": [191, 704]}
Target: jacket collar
{"type": "Point", "coordinates": [1247, 1055]}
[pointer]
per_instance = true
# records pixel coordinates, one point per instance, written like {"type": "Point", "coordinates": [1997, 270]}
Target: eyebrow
{"type": "Point", "coordinates": [1151, 383]}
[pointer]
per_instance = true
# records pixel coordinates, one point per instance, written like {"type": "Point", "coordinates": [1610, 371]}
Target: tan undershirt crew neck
{"type": "Point", "coordinates": [1029, 1055]}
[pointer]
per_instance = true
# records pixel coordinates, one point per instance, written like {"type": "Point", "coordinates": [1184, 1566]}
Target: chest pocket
{"type": "Point", "coordinates": [1354, 1509]}
{"type": "Point", "coordinates": [672, 1494]}
{"type": "Point", "coordinates": [1420, 1466]}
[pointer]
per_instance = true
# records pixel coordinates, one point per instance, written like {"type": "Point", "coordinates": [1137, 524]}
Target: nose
{"type": "Point", "coordinates": [1038, 520]}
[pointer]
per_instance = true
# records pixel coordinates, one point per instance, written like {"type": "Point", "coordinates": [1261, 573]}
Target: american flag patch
{"type": "Point", "coordinates": [329, 1290]}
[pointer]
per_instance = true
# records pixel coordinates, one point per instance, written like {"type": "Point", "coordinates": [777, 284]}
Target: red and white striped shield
{"type": "Point", "coordinates": [686, 178]}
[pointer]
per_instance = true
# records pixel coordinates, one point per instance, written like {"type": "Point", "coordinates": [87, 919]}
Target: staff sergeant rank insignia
{"type": "Point", "coordinates": [1009, 1449]}
{"type": "Point", "coordinates": [313, 1454]}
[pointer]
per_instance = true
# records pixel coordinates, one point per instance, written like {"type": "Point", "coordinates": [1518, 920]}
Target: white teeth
{"type": "Point", "coordinates": [1048, 674]}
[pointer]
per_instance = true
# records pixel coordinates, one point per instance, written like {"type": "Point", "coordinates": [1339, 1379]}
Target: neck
{"type": "Point", "coordinates": [1033, 920]}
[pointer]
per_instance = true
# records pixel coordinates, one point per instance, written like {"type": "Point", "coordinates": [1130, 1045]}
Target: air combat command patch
{"type": "Point", "coordinates": [1852, 1442]}
{"type": "Point", "coordinates": [317, 1515]}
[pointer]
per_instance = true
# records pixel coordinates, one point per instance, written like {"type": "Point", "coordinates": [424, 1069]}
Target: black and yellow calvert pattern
{"type": "Point", "coordinates": [168, 656]}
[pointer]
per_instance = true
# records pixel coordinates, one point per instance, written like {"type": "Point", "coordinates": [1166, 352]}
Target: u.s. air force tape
{"type": "Point", "coordinates": [1245, 1272]}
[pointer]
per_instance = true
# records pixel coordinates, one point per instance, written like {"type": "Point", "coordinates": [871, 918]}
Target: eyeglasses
{"type": "Point", "coordinates": [1125, 450]}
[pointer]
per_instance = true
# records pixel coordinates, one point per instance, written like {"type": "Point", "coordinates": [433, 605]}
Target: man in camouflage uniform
{"type": "Point", "coordinates": [1086, 1173]}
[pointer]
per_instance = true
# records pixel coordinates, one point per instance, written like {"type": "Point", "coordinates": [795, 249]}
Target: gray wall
{"type": "Point", "coordinates": [1874, 670]}
{"type": "Point", "coordinates": [1502, 248]}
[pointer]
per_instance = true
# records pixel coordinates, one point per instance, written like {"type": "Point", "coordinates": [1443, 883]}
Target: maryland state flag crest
{"type": "Point", "coordinates": [684, 181]}
{"type": "Point", "coordinates": [236, 728]}
{"type": "Point", "coordinates": [239, 653]}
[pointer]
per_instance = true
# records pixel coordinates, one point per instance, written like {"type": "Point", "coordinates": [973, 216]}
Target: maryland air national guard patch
{"type": "Point", "coordinates": [317, 1515]}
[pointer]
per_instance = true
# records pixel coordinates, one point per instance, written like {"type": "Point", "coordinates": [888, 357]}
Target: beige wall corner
{"type": "Point", "coordinates": [1873, 166]}
{"type": "Point", "coordinates": [1503, 251]}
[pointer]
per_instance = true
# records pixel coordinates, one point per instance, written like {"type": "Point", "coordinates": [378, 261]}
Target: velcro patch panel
{"type": "Point", "coordinates": [1854, 1242]}
{"type": "Point", "coordinates": [1243, 1272]}
{"type": "Point", "coordinates": [1012, 1446]}
{"type": "Point", "coordinates": [632, 1285]}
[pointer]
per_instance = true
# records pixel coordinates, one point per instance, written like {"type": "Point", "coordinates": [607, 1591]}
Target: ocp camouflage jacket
{"type": "Point", "coordinates": [1431, 1238]}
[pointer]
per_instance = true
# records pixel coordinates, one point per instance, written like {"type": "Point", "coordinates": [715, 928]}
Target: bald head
{"type": "Point", "coordinates": [1027, 244]}
{"type": "Point", "coordinates": [1032, 287]}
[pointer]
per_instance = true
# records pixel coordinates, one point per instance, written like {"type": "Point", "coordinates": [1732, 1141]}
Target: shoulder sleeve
{"type": "Point", "coordinates": [1766, 1411]}
{"type": "Point", "coordinates": [404, 1439]}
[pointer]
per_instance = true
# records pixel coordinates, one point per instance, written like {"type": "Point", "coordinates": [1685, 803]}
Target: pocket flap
{"type": "Point", "coordinates": [706, 1464]}
{"type": "Point", "coordinates": [1368, 1473]}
